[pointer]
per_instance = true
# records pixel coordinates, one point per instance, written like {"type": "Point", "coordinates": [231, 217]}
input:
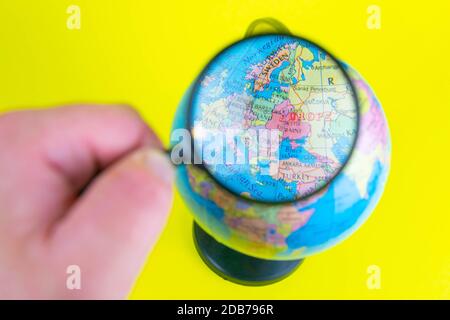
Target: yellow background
{"type": "Point", "coordinates": [147, 53]}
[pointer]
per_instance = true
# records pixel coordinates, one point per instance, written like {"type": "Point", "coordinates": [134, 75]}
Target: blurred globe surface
{"type": "Point", "coordinates": [328, 170]}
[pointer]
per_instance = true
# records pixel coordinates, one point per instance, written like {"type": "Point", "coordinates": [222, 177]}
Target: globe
{"type": "Point", "coordinates": [328, 166]}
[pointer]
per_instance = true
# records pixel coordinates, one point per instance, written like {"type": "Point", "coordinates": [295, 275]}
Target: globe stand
{"type": "Point", "coordinates": [238, 267]}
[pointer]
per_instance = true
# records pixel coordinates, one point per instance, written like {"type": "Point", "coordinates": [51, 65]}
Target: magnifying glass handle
{"type": "Point", "coordinates": [178, 159]}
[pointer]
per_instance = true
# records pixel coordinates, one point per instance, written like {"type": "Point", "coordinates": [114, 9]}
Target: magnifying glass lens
{"type": "Point", "coordinates": [274, 118]}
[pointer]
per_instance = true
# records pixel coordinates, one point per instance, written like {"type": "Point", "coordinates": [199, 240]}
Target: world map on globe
{"type": "Point", "coordinates": [284, 91]}
{"type": "Point", "coordinates": [297, 229]}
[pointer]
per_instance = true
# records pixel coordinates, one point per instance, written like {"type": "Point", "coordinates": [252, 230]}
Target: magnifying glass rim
{"type": "Point", "coordinates": [189, 124]}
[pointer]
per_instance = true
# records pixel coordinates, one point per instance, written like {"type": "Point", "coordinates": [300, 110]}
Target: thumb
{"type": "Point", "coordinates": [111, 228]}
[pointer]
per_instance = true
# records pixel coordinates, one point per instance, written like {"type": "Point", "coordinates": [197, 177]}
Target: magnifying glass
{"type": "Point", "coordinates": [273, 118]}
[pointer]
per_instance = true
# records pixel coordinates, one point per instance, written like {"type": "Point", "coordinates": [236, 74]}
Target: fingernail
{"type": "Point", "coordinates": [160, 165]}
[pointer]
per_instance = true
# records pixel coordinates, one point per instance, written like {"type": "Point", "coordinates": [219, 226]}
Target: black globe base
{"type": "Point", "coordinates": [238, 267]}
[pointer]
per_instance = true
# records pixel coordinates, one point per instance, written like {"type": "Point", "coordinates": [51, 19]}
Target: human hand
{"type": "Point", "coordinates": [80, 185]}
